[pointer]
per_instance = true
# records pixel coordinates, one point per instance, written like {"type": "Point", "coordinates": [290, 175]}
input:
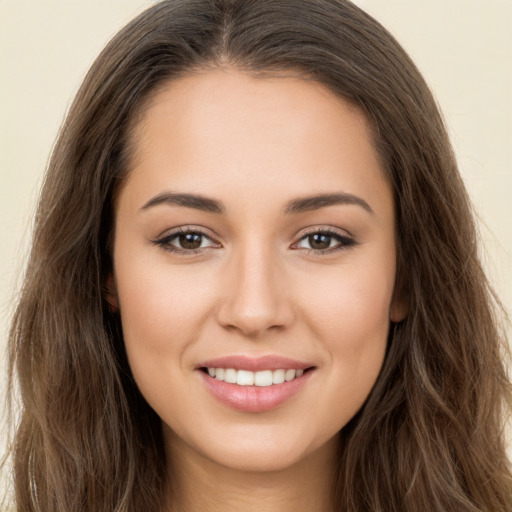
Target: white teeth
{"type": "Point", "coordinates": [289, 375]}
{"type": "Point", "coordinates": [263, 378]}
{"type": "Point", "coordinates": [244, 378]}
{"type": "Point", "coordinates": [278, 377]}
{"type": "Point", "coordinates": [247, 378]}
{"type": "Point", "coordinates": [230, 376]}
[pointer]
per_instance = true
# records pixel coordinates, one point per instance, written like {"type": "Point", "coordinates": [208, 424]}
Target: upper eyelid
{"type": "Point", "coordinates": [170, 232]}
{"type": "Point", "coordinates": [180, 231]}
{"type": "Point", "coordinates": [330, 230]}
{"type": "Point", "coordinates": [346, 240]}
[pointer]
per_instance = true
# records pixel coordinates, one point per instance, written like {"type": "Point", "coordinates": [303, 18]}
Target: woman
{"type": "Point", "coordinates": [254, 280]}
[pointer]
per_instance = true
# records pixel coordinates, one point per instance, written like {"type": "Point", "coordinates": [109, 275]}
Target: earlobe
{"type": "Point", "coordinates": [110, 293]}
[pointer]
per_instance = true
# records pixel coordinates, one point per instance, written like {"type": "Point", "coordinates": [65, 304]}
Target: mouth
{"type": "Point", "coordinates": [255, 384]}
{"type": "Point", "coordinates": [262, 378]}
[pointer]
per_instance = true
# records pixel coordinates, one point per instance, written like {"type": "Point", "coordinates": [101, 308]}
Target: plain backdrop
{"type": "Point", "coordinates": [463, 48]}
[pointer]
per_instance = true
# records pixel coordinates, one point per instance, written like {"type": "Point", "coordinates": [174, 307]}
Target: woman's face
{"type": "Point", "coordinates": [254, 236]}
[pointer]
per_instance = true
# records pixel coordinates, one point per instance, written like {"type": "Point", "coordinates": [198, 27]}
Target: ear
{"type": "Point", "coordinates": [399, 303]}
{"type": "Point", "coordinates": [110, 293]}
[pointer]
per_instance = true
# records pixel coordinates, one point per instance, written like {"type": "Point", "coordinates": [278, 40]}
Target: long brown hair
{"type": "Point", "coordinates": [430, 435]}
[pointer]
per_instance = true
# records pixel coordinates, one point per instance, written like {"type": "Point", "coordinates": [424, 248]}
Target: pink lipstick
{"type": "Point", "coordinates": [254, 384]}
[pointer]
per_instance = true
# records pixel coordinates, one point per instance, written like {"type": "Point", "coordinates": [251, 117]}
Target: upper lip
{"type": "Point", "coordinates": [255, 364]}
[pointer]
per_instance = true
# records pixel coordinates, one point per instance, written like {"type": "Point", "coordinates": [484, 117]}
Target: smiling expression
{"type": "Point", "coordinates": [254, 237]}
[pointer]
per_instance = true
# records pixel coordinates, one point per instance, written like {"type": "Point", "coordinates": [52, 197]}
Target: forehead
{"type": "Point", "coordinates": [279, 136]}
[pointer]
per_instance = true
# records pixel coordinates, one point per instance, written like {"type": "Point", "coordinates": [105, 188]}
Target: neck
{"type": "Point", "coordinates": [199, 484]}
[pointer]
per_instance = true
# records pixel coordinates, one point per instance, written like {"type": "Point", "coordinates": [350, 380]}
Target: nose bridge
{"type": "Point", "coordinates": [255, 299]}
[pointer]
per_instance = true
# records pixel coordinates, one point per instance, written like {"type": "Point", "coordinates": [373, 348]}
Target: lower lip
{"type": "Point", "coordinates": [254, 398]}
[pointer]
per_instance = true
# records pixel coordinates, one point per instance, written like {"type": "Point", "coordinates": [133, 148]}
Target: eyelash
{"type": "Point", "coordinates": [345, 242]}
{"type": "Point", "coordinates": [165, 242]}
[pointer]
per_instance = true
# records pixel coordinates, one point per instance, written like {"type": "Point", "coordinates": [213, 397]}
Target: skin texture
{"type": "Point", "coordinates": [254, 287]}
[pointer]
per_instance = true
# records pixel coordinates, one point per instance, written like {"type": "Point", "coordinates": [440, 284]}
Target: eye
{"type": "Point", "coordinates": [324, 241]}
{"type": "Point", "coordinates": [186, 241]}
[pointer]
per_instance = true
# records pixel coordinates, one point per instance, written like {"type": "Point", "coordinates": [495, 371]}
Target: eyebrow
{"type": "Point", "coordinates": [310, 203]}
{"type": "Point", "coordinates": [197, 202]}
{"type": "Point", "coordinates": [299, 205]}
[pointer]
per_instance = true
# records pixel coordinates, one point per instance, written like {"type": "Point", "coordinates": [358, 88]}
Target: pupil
{"type": "Point", "coordinates": [190, 241]}
{"type": "Point", "coordinates": [319, 241]}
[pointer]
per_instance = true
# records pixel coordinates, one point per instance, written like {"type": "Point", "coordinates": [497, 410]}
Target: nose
{"type": "Point", "coordinates": [256, 297]}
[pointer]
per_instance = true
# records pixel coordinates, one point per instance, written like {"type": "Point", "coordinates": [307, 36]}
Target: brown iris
{"type": "Point", "coordinates": [190, 240]}
{"type": "Point", "coordinates": [319, 241]}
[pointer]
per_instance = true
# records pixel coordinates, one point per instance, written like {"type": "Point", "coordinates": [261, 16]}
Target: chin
{"type": "Point", "coordinates": [270, 451]}
{"type": "Point", "coordinates": [258, 460]}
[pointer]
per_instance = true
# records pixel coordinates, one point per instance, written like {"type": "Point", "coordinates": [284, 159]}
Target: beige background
{"type": "Point", "coordinates": [463, 47]}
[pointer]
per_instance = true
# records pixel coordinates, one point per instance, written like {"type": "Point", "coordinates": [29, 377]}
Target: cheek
{"type": "Point", "coordinates": [350, 306]}
{"type": "Point", "coordinates": [351, 318]}
{"type": "Point", "coordinates": [158, 301]}
{"type": "Point", "coordinates": [162, 310]}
